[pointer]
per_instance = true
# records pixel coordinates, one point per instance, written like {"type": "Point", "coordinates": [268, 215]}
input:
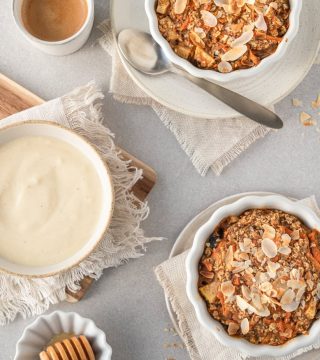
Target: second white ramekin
{"type": "Point", "coordinates": [307, 216]}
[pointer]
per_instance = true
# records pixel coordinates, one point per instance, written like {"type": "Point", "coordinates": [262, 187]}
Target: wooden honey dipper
{"type": "Point", "coordinates": [74, 348]}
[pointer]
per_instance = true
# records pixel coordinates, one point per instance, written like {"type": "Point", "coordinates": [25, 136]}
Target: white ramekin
{"type": "Point", "coordinates": [37, 335]}
{"type": "Point", "coordinates": [212, 75]}
{"type": "Point", "coordinates": [307, 216]}
{"type": "Point", "coordinates": [50, 129]}
{"type": "Point", "coordinates": [59, 48]}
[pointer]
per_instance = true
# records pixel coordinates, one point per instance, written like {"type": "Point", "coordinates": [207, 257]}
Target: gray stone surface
{"type": "Point", "coordinates": [127, 303]}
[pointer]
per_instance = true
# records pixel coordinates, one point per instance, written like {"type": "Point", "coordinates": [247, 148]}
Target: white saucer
{"type": "Point", "coordinates": [180, 95]}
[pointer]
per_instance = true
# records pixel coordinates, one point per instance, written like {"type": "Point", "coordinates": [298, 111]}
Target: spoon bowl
{"type": "Point", "coordinates": [145, 55]}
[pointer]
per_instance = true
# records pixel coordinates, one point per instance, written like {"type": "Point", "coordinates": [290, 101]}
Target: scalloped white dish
{"type": "Point", "coordinates": [211, 75]}
{"type": "Point", "coordinates": [37, 335]}
{"type": "Point", "coordinates": [214, 327]}
{"type": "Point", "coordinates": [267, 88]}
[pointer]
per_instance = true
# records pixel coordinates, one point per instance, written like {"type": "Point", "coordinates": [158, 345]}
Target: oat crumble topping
{"type": "Point", "coordinates": [259, 275]}
{"type": "Point", "coordinates": [223, 35]}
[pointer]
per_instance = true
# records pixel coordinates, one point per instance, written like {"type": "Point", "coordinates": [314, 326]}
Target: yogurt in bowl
{"type": "Point", "coordinates": [56, 198]}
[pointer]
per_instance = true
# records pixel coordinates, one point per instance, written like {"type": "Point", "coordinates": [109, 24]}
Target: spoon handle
{"type": "Point", "coordinates": [243, 105]}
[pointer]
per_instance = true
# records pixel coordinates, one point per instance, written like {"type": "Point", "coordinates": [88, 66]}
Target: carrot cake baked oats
{"type": "Point", "coordinates": [259, 275]}
{"type": "Point", "coordinates": [223, 35]}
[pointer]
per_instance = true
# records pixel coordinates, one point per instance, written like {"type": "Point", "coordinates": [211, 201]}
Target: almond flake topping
{"type": "Point", "coordinates": [224, 67]}
{"type": "Point", "coordinates": [227, 288]}
{"type": "Point", "coordinates": [288, 297]}
{"type": "Point", "coordinates": [245, 292]}
{"type": "Point", "coordinates": [269, 248]}
{"type": "Point", "coordinates": [229, 257]}
{"type": "Point", "coordinates": [179, 6]}
{"type": "Point", "coordinates": [234, 53]}
{"type": "Point", "coordinates": [269, 232]}
{"type": "Point", "coordinates": [261, 23]}
{"type": "Point", "coordinates": [243, 39]}
{"type": "Point", "coordinates": [245, 326]}
{"type": "Point", "coordinates": [208, 18]}
{"type": "Point", "coordinates": [284, 250]}
{"type": "Point", "coordinates": [285, 239]}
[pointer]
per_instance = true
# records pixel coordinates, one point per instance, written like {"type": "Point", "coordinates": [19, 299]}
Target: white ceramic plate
{"type": "Point", "coordinates": [178, 94]}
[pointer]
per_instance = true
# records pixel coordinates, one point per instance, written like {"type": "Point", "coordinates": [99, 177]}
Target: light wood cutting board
{"type": "Point", "coordinates": [15, 98]}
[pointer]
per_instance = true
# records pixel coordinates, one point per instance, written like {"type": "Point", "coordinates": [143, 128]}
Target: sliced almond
{"type": "Point", "coordinates": [208, 18]}
{"type": "Point", "coordinates": [256, 301]}
{"type": "Point", "coordinates": [295, 274]}
{"type": "Point", "coordinates": [227, 288]}
{"type": "Point", "coordinates": [285, 239]}
{"type": "Point", "coordinates": [288, 297]}
{"type": "Point", "coordinates": [293, 306]}
{"type": "Point", "coordinates": [260, 23]}
{"type": "Point", "coordinates": [242, 304]}
{"type": "Point", "coordinates": [246, 292]}
{"type": "Point", "coordinates": [266, 286]}
{"type": "Point", "coordinates": [229, 257]}
{"type": "Point", "coordinates": [224, 67]}
{"type": "Point", "coordinates": [295, 284]}
{"type": "Point", "coordinates": [243, 39]}
{"type": "Point", "coordinates": [269, 248]}
{"type": "Point", "coordinates": [221, 2]}
{"type": "Point", "coordinates": [234, 53]}
{"type": "Point", "coordinates": [269, 232]}
{"type": "Point", "coordinates": [245, 326]}
{"type": "Point", "coordinates": [233, 328]}
{"type": "Point", "coordinates": [199, 31]}
{"type": "Point", "coordinates": [284, 250]}
{"type": "Point", "coordinates": [179, 6]}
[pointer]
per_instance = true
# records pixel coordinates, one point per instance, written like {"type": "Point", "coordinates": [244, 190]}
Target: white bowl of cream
{"type": "Point", "coordinates": [56, 198]}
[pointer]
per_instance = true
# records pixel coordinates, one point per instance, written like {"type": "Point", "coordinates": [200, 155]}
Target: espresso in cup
{"type": "Point", "coordinates": [53, 20]}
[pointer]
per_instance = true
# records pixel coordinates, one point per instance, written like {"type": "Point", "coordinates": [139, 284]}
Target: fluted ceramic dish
{"type": "Point", "coordinates": [37, 335]}
{"type": "Point", "coordinates": [268, 88]}
{"type": "Point", "coordinates": [211, 75]}
{"type": "Point", "coordinates": [307, 216]}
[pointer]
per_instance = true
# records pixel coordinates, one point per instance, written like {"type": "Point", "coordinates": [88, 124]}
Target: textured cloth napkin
{"type": "Point", "coordinates": [200, 344]}
{"type": "Point", "coordinates": [80, 110]}
{"type": "Point", "coordinates": [208, 143]}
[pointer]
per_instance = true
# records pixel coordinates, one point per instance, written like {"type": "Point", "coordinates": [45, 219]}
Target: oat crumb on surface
{"type": "Point", "coordinates": [306, 119]}
{"type": "Point", "coordinates": [296, 102]}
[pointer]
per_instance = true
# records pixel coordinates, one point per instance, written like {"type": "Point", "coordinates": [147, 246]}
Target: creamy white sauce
{"type": "Point", "coordinates": [50, 200]}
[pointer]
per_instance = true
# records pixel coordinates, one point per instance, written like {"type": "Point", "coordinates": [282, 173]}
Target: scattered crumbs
{"type": "Point", "coordinates": [306, 119]}
{"type": "Point", "coordinates": [316, 104]}
{"type": "Point", "coordinates": [174, 346]}
{"type": "Point", "coordinates": [171, 330]}
{"type": "Point", "coordinates": [296, 102]}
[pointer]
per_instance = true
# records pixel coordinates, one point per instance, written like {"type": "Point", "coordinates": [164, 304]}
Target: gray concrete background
{"type": "Point", "coordinates": [127, 303]}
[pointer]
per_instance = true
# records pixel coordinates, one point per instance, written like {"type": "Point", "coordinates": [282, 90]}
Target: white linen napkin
{"type": "Point", "coordinates": [209, 144]}
{"type": "Point", "coordinates": [200, 344]}
{"type": "Point", "coordinates": [80, 110]}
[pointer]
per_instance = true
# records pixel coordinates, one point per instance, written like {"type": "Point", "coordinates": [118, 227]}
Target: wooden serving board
{"type": "Point", "coordinates": [15, 98]}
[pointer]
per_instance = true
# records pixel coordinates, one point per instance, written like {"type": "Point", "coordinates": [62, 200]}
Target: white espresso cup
{"type": "Point", "coordinates": [62, 47]}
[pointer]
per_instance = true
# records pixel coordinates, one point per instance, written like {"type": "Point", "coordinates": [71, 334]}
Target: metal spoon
{"type": "Point", "coordinates": [145, 55]}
